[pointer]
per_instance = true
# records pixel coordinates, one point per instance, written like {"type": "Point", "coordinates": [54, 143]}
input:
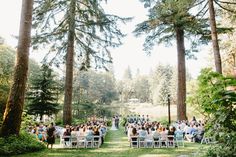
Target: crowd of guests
{"type": "Point", "coordinates": [44, 133]}
{"type": "Point", "coordinates": [48, 133]}
{"type": "Point", "coordinates": [145, 129]}
{"type": "Point", "coordinates": [87, 130]}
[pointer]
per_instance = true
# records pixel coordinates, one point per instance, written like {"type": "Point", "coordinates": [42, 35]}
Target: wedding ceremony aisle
{"type": "Point", "coordinates": [116, 145]}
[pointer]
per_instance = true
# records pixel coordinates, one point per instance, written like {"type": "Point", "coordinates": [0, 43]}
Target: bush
{"type": "Point", "coordinates": [123, 121]}
{"type": "Point", "coordinates": [23, 143]}
{"type": "Point", "coordinates": [59, 122]}
{"type": "Point", "coordinates": [220, 151]}
{"type": "Point", "coordinates": [109, 122]}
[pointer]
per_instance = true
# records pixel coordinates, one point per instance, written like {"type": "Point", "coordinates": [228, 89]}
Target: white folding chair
{"type": "Point", "coordinates": [89, 142]}
{"type": "Point", "coordinates": [134, 142]}
{"type": "Point", "coordinates": [149, 143]}
{"type": "Point", "coordinates": [81, 143]}
{"type": "Point", "coordinates": [67, 141]}
{"type": "Point", "coordinates": [207, 140]}
{"type": "Point", "coordinates": [96, 141]}
{"type": "Point", "coordinates": [156, 142]}
{"type": "Point", "coordinates": [163, 142]}
{"type": "Point", "coordinates": [179, 139]}
{"type": "Point", "coordinates": [74, 141]}
{"type": "Point", "coordinates": [142, 142]}
{"type": "Point", "coordinates": [170, 141]}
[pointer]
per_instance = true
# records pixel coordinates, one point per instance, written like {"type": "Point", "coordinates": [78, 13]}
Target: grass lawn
{"type": "Point", "coordinates": [115, 145]}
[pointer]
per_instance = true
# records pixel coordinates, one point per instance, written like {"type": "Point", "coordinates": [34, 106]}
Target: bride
{"type": "Point", "coordinates": [113, 127]}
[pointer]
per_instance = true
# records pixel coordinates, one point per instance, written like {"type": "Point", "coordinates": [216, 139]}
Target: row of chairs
{"type": "Point", "coordinates": [80, 142]}
{"type": "Point", "coordinates": [170, 141]}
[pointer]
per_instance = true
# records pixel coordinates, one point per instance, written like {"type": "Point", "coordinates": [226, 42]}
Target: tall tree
{"type": "Point", "coordinates": [214, 37]}
{"type": "Point", "coordinates": [43, 93]}
{"type": "Point", "coordinates": [163, 84]}
{"type": "Point", "coordinates": [89, 30]}
{"type": "Point", "coordinates": [128, 74]}
{"type": "Point", "coordinates": [14, 108]}
{"type": "Point", "coordinates": [67, 108]}
{"type": "Point", "coordinates": [215, 29]}
{"type": "Point", "coordinates": [167, 20]}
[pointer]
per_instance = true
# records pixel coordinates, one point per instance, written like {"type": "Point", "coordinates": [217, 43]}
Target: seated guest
{"type": "Point", "coordinates": [67, 134]}
{"type": "Point", "coordinates": [171, 132]}
{"type": "Point", "coordinates": [142, 133]}
{"type": "Point", "coordinates": [191, 132]}
{"type": "Point", "coordinates": [149, 137]}
{"type": "Point", "coordinates": [163, 134]}
{"type": "Point", "coordinates": [89, 134]}
{"type": "Point", "coordinates": [96, 133]}
{"type": "Point", "coordinates": [134, 132]}
{"type": "Point", "coordinates": [156, 135]}
{"type": "Point", "coordinates": [179, 132]}
{"type": "Point", "coordinates": [129, 132]}
{"type": "Point", "coordinates": [133, 136]}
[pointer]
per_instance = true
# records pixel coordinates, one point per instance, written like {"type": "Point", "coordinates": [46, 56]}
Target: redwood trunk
{"type": "Point", "coordinates": [14, 107]}
{"type": "Point", "coordinates": [181, 89]}
{"type": "Point", "coordinates": [214, 37]}
{"type": "Point", "coordinates": [67, 110]}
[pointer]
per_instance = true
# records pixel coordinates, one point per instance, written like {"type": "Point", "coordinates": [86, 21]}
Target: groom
{"type": "Point", "coordinates": [117, 122]}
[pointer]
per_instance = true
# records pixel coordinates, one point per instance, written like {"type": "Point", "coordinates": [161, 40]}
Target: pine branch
{"type": "Point", "coordinates": [201, 11]}
{"type": "Point", "coordinates": [224, 8]}
{"type": "Point", "coordinates": [226, 2]}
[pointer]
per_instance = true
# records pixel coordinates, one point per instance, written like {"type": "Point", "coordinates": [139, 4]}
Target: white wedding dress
{"type": "Point", "coordinates": [113, 127]}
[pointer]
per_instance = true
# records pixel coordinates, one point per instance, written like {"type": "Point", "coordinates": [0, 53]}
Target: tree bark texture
{"type": "Point", "coordinates": [14, 107]}
{"type": "Point", "coordinates": [181, 89]}
{"type": "Point", "coordinates": [67, 110]}
{"type": "Point", "coordinates": [214, 37]}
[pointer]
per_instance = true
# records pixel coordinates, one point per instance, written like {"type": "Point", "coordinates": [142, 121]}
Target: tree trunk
{"type": "Point", "coordinates": [181, 89]}
{"type": "Point", "coordinates": [214, 38]}
{"type": "Point", "coordinates": [14, 107]}
{"type": "Point", "coordinates": [67, 110]}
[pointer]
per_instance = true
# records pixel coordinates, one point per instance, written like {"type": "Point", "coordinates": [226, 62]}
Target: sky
{"type": "Point", "coordinates": [129, 54]}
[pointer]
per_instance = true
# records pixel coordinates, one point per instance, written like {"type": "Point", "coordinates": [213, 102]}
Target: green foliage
{"type": "Point", "coordinates": [220, 151]}
{"type": "Point", "coordinates": [23, 143]}
{"type": "Point", "coordinates": [7, 55]}
{"type": "Point", "coordinates": [109, 122]}
{"type": "Point", "coordinates": [123, 121]}
{"type": "Point", "coordinates": [163, 83]}
{"type": "Point", "coordinates": [215, 98]}
{"type": "Point", "coordinates": [27, 121]}
{"type": "Point", "coordinates": [43, 93]}
{"type": "Point", "coordinates": [142, 89]}
{"type": "Point", "coordinates": [93, 30]}
{"type": "Point", "coordinates": [163, 19]}
{"type": "Point", "coordinates": [93, 93]}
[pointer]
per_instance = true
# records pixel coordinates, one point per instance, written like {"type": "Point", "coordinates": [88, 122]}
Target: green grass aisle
{"type": "Point", "coordinates": [116, 145]}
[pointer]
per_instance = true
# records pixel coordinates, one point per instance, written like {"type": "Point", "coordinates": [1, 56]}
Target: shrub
{"type": "Point", "coordinates": [109, 122]}
{"type": "Point", "coordinates": [123, 121]}
{"type": "Point", "coordinates": [215, 97]}
{"type": "Point", "coordinates": [220, 151]}
{"type": "Point", "coordinates": [23, 143]}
